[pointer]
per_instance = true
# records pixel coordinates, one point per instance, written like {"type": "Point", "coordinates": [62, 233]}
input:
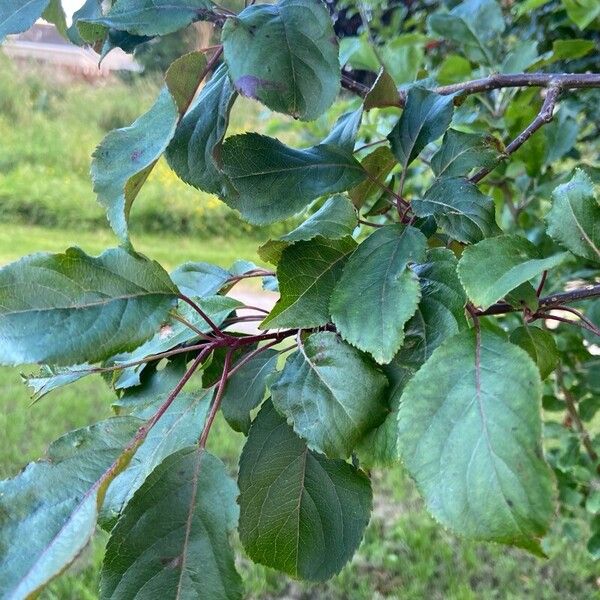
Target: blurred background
{"type": "Point", "coordinates": [56, 105]}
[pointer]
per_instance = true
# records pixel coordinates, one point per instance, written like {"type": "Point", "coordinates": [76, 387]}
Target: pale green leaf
{"type": "Point", "coordinates": [540, 345]}
{"type": "Point", "coordinates": [172, 540]}
{"type": "Point", "coordinates": [440, 315]}
{"type": "Point", "coordinates": [574, 219]}
{"type": "Point", "coordinates": [331, 394]}
{"type": "Point", "coordinates": [307, 274]}
{"type": "Point", "coordinates": [377, 293]}
{"type": "Point", "coordinates": [425, 117]}
{"type": "Point", "coordinates": [492, 268]}
{"type": "Point", "coordinates": [152, 17]}
{"type": "Point", "coordinates": [300, 513]}
{"type": "Point", "coordinates": [51, 378]}
{"type": "Point", "coordinates": [275, 181]}
{"type": "Point", "coordinates": [18, 15]}
{"type": "Point", "coordinates": [48, 512]}
{"type": "Point", "coordinates": [470, 435]}
{"type": "Point", "coordinates": [65, 309]}
{"type": "Point", "coordinates": [195, 147]}
{"type": "Point", "coordinates": [125, 157]}
{"type": "Point", "coordinates": [180, 426]}
{"type": "Point", "coordinates": [459, 208]}
{"type": "Point", "coordinates": [246, 389]}
{"type": "Point", "coordinates": [582, 12]}
{"type": "Point", "coordinates": [199, 279]}
{"type": "Point", "coordinates": [285, 55]}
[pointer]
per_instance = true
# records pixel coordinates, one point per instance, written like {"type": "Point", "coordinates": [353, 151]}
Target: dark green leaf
{"type": "Point", "coordinates": [285, 55]}
{"type": "Point", "coordinates": [540, 345]}
{"type": "Point", "coordinates": [55, 14]}
{"type": "Point", "coordinates": [425, 117]}
{"type": "Point", "coordinates": [492, 268]}
{"type": "Point", "coordinates": [152, 17]}
{"type": "Point", "coordinates": [125, 157]}
{"type": "Point", "coordinates": [70, 308]}
{"type": "Point", "coordinates": [246, 388]}
{"type": "Point", "coordinates": [331, 394]}
{"type": "Point", "coordinates": [300, 512]}
{"type": "Point", "coordinates": [470, 435]}
{"type": "Point", "coordinates": [48, 512]}
{"type": "Point", "coordinates": [172, 540]}
{"type": "Point", "coordinates": [275, 181]}
{"type": "Point", "coordinates": [377, 293]}
{"type": "Point", "coordinates": [81, 32]}
{"type": "Point", "coordinates": [194, 150]}
{"type": "Point", "coordinates": [18, 15]}
{"type": "Point", "coordinates": [574, 219]}
{"type": "Point", "coordinates": [459, 208]}
{"type": "Point", "coordinates": [383, 93]}
{"type": "Point", "coordinates": [307, 274]}
{"type": "Point", "coordinates": [343, 134]}
{"type": "Point", "coordinates": [461, 152]}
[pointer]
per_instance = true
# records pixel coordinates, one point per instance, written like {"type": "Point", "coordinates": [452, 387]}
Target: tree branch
{"type": "Point", "coordinates": [544, 116]}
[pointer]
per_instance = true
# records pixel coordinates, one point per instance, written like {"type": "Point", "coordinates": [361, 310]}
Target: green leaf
{"type": "Point", "coordinates": [334, 220]}
{"type": "Point", "coordinates": [80, 32]}
{"type": "Point", "coordinates": [300, 512]}
{"type": "Point", "coordinates": [152, 17]}
{"type": "Point", "coordinates": [199, 279]}
{"type": "Point", "coordinates": [459, 208]}
{"type": "Point", "coordinates": [377, 293]}
{"type": "Point", "coordinates": [51, 378]}
{"type": "Point", "coordinates": [307, 274]}
{"type": "Point", "coordinates": [574, 219]}
{"type": "Point", "coordinates": [492, 268]}
{"type": "Point", "coordinates": [384, 92]}
{"type": "Point", "coordinates": [540, 345]}
{"type": "Point", "coordinates": [473, 24]}
{"type": "Point", "coordinates": [180, 426]}
{"type": "Point", "coordinates": [194, 150]}
{"type": "Point", "coordinates": [331, 394]}
{"type": "Point", "coordinates": [246, 389]}
{"type": "Point", "coordinates": [378, 165]}
{"type": "Point", "coordinates": [582, 12]}
{"type": "Point", "coordinates": [461, 152]}
{"type": "Point", "coordinates": [65, 309]}
{"type": "Point", "coordinates": [55, 14]}
{"type": "Point", "coordinates": [172, 540]}
{"type": "Point", "coordinates": [18, 15]}
{"type": "Point", "coordinates": [125, 157]}
{"type": "Point", "coordinates": [285, 55]}
{"type": "Point", "coordinates": [275, 181]}
{"type": "Point", "coordinates": [440, 315]}
{"type": "Point", "coordinates": [344, 132]}
{"type": "Point", "coordinates": [425, 117]}
{"type": "Point", "coordinates": [470, 435]}
{"type": "Point", "coordinates": [48, 512]}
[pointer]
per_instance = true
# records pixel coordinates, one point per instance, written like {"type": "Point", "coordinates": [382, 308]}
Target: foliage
{"type": "Point", "coordinates": [408, 344]}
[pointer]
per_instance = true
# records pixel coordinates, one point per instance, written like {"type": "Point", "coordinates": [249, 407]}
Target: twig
{"type": "Point", "coordinates": [540, 287]}
{"type": "Point", "coordinates": [208, 320]}
{"type": "Point", "coordinates": [541, 119]}
{"type": "Point", "coordinates": [576, 419]}
{"type": "Point", "coordinates": [369, 223]}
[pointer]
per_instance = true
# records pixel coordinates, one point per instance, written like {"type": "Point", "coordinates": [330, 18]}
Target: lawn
{"type": "Point", "coordinates": [404, 555]}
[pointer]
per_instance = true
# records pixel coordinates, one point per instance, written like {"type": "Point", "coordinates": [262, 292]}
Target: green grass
{"type": "Point", "coordinates": [404, 555]}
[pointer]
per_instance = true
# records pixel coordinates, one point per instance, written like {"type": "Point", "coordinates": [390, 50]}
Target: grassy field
{"type": "Point", "coordinates": [404, 555]}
